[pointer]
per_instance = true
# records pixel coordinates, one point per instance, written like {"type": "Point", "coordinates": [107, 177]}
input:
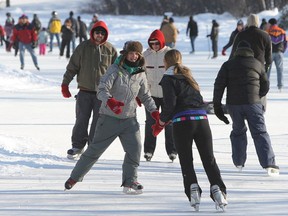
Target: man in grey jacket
{"type": "Point", "coordinates": [124, 81]}
{"type": "Point", "coordinates": [89, 62]}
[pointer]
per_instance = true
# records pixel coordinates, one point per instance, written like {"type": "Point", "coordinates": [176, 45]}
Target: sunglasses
{"type": "Point", "coordinates": [154, 43]}
{"type": "Point", "coordinates": [100, 32]}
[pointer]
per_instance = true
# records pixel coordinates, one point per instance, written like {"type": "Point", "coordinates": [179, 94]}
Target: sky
{"type": "Point", "coordinates": [36, 124]}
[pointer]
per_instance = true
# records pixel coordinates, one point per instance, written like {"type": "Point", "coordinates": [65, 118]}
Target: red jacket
{"type": "Point", "coordinates": [2, 31]}
{"type": "Point", "coordinates": [24, 33]}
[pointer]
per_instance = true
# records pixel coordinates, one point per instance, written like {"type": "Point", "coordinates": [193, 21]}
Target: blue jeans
{"type": "Point", "coordinates": [57, 35]}
{"type": "Point", "coordinates": [253, 113]}
{"type": "Point", "coordinates": [277, 57]}
{"type": "Point", "coordinates": [192, 39]}
{"type": "Point", "coordinates": [22, 48]}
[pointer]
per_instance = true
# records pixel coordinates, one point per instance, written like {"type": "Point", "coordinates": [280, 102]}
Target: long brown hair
{"type": "Point", "coordinates": [174, 58]}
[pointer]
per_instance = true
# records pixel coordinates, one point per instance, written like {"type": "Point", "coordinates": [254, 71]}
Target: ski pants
{"type": "Point", "coordinates": [86, 103]}
{"type": "Point", "coordinates": [253, 113]}
{"type": "Point", "coordinates": [107, 130]}
{"type": "Point", "coordinates": [150, 140]}
{"type": "Point", "coordinates": [185, 132]}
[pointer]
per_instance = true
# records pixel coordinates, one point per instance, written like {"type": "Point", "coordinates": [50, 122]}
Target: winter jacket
{"type": "Point", "coordinates": [231, 39]}
{"type": "Point", "coordinates": [2, 31]}
{"type": "Point", "coordinates": [124, 86]}
{"type": "Point", "coordinates": [9, 25]}
{"type": "Point", "coordinates": [192, 28]}
{"type": "Point", "coordinates": [43, 37]}
{"type": "Point", "coordinates": [54, 25]}
{"type": "Point", "coordinates": [244, 77]}
{"type": "Point", "coordinates": [90, 61]}
{"type": "Point", "coordinates": [278, 39]}
{"type": "Point", "coordinates": [170, 32]}
{"type": "Point", "coordinates": [154, 64]}
{"type": "Point", "coordinates": [260, 44]}
{"type": "Point", "coordinates": [24, 33]}
{"type": "Point", "coordinates": [36, 23]}
{"type": "Point", "coordinates": [214, 31]}
{"type": "Point", "coordinates": [67, 33]}
{"type": "Point", "coordinates": [178, 95]}
{"type": "Point", "coordinates": [82, 28]}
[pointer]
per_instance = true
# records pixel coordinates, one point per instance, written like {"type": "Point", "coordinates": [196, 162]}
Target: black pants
{"type": "Point", "coordinates": [150, 140]}
{"type": "Point", "coordinates": [185, 133]}
{"type": "Point", "coordinates": [65, 43]}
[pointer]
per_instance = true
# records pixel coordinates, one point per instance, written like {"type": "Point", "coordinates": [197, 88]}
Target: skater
{"type": "Point", "coordinates": [246, 82]}
{"type": "Point", "coordinates": [279, 45]}
{"type": "Point", "coordinates": [170, 33]}
{"type": "Point", "coordinates": [42, 41]}
{"type": "Point", "coordinates": [24, 33]}
{"type": "Point", "coordinates": [239, 28]}
{"type": "Point", "coordinates": [183, 105]}
{"type": "Point", "coordinates": [214, 38]}
{"type": "Point", "coordinates": [54, 29]}
{"type": "Point", "coordinates": [260, 43]}
{"type": "Point", "coordinates": [82, 30]}
{"type": "Point", "coordinates": [155, 69]}
{"type": "Point", "coordinates": [192, 32]}
{"type": "Point", "coordinates": [75, 29]}
{"type": "Point", "coordinates": [89, 62]}
{"type": "Point", "coordinates": [66, 36]}
{"type": "Point", "coordinates": [2, 35]}
{"type": "Point", "coordinates": [118, 88]}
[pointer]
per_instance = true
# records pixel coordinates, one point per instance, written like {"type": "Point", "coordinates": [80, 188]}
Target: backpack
{"type": "Point", "coordinates": [55, 26]}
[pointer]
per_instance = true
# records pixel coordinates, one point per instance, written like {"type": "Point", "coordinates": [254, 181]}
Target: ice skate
{"type": "Point", "coordinates": [148, 156]}
{"type": "Point", "coordinates": [239, 168]}
{"type": "Point", "coordinates": [172, 156]}
{"type": "Point", "coordinates": [219, 197]}
{"type": "Point", "coordinates": [135, 188]}
{"type": "Point", "coordinates": [69, 184]}
{"type": "Point", "coordinates": [195, 196]}
{"type": "Point", "coordinates": [272, 170]}
{"type": "Point", "coordinates": [74, 153]}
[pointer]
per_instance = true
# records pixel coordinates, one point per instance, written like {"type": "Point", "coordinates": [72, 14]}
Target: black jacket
{"type": "Point", "coordinates": [231, 39]}
{"type": "Point", "coordinates": [178, 95]}
{"type": "Point", "coordinates": [260, 44]}
{"type": "Point", "coordinates": [244, 77]}
{"type": "Point", "coordinates": [192, 28]}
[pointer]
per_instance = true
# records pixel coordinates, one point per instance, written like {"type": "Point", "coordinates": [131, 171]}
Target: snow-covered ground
{"type": "Point", "coordinates": [36, 123]}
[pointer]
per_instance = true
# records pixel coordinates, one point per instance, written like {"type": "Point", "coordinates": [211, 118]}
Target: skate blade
{"type": "Point", "coordinates": [130, 191]}
{"type": "Point", "coordinates": [272, 171]}
{"type": "Point", "coordinates": [196, 207]}
{"type": "Point", "coordinates": [73, 157]}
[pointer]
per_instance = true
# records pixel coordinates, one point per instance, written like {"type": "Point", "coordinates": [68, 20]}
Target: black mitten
{"type": "Point", "coordinates": [220, 114]}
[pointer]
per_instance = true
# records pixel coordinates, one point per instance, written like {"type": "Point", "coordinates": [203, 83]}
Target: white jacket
{"type": "Point", "coordinates": [155, 70]}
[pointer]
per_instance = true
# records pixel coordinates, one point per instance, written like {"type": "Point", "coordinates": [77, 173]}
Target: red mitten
{"type": "Point", "coordinates": [8, 49]}
{"type": "Point", "coordinates": [65, 91]}
{"type": "Point", "coordinates": [115, 105]}
{"type": "Point", "coordinates": [159, 125]}
{"type": "Point", "coordinates": [138, 102]}
{"type": "Point", "coordinates": [155, 115]}
{"type": "Point", "coordinates": [223, 52]}
{"type": "Point", "coordinates": [157, 128]}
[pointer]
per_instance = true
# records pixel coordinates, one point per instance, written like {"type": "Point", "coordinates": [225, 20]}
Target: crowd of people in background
{"type": "Point", "coordinates": [29, 34]}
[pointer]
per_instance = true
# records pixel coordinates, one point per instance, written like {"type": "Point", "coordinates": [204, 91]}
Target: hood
{"type": "Point", "coordinates": [158, 35]}
{"type": "Point", "coordinates": [99, 24]}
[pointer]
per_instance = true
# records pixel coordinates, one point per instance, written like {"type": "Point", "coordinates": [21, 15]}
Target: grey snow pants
{"type": "Point", "coordinates": [107, 130]}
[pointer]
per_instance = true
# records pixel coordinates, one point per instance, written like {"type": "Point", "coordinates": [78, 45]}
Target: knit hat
{"type": "Point", "coordinates": [132, 46]}
{"type": "Point", "coordinates": [253, 20]}
{"type": "Point", "coordinates": [272, 21]}
{"type": "Point", "coordinates": [240, 22]}
{"type": "Point", "coordinates": [23, 16]}
{"type": "Point", "coordinates": [243, 44]}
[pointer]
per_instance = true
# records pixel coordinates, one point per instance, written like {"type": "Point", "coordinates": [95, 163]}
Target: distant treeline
{"type": "Point", "coordinates": [237, 8]}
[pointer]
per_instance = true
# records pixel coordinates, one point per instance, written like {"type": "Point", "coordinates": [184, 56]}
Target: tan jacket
{"type": "Point", "coordinates": [170, 32]}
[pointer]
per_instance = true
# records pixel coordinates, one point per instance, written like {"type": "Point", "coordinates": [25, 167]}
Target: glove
{"type": "Point", "coordinates": [138, 102]}
{"type": "Point", "coordinates": [220, 114]}
{"type": "Point", "coordinates": [33, 44]}
{"type": "Point", "coordinates": [65, 91]}
{"type": "Point", "coordinates": [159, 125]}
{"type": "Point", "coordinates": [223, 52]}
{"type": "Point", "coordinates": [115, 105]}
{"type": "Point", "coordinates": [208, 35]}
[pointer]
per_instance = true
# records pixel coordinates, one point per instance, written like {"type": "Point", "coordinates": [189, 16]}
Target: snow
{"type": "Point", "coordinates": [36, 123]}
